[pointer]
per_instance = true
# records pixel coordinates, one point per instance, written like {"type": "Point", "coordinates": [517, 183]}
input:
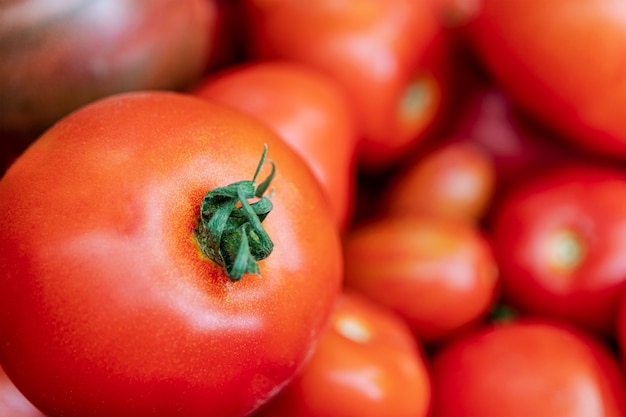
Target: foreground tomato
{"type": "Point", "coordinates": [528, 368]}
{"type": "Point", "coordinates": [559, 238]}
{"type": "Point", "coordinates": [109, 305]}
{"type": "Point", "coordinates": [387, 54]}
{"type": "Point", "coordinates": [440, 275]}
{"type": "Point", "coordinates": [58, 56]}
{"type": "Point", "coordinates": [563, 60]}
{"type": "Point", "coordinates": [367, 364]}
{"type": "Point", "coordinates": [308, 110]}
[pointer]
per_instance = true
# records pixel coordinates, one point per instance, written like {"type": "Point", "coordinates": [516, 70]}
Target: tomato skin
{"type": "Point", "coordinates": [439, 274]}
{"type": "Point", "coordinates": [366, 364]}
{"type": "Point", "coordinates": [515, 143]}
{"type": "Point", "coordinates": [68, 53]}
{"type": "Point", "coordinates": [387, 54]}
{"type": "Point", "coordinates": [455, 180]}
{"type": "Point", "coordinates": [527, 368]}
{"type": "Point", "coordinates": [134, 320]}
{"type": "Point", "coordinates": [558, 239]}
{"type": "Point", "coordinates": [540, 53]}
{"type": "Point", "coordinates": [308, 110]}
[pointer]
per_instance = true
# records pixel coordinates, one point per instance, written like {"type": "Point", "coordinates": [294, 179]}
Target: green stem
{"type": "Point", "coordinates": [229, 230]}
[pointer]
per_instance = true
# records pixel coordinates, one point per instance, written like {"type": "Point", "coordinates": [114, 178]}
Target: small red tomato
{"type": "Point", "coordinates": [389, 55]}
{"type": "Point", "coordinates": [562, 60]}
{"type": "Point", "coordinates": [146, 272]}
{"type": "Point", "coordinates": [308, 110]}
{"type": "Point", "coordinates": [367, 364]}
{"type": "Point", "coordinates": [454, 180]}
{"type": "Point", "coordinates": [559, 240]}
{"type": "Point", "coordinates": [12, 401]}
{"type": "Point", "coordinates": [528, 368]}
{"type": "Point", "coordinates": [439, 274]}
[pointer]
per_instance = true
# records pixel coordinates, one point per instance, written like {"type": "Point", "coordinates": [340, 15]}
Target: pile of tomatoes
{"type": "Point", "coordinates": [312, 208]}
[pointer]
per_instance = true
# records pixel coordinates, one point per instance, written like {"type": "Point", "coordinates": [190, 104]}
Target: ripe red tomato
{"type": "Point", "coordinates": [455, 180]}
{"type": "Point", "coordinates": [110, 303]}
{"type": "Point", "coordinates": [60, 55]}
{"type": "Point", "coordinates": [12, 402]}
{"type": "Point", "coordinates": [389, 55]}
{"type": "Point", "coordinates": [439, 274]}
{"type": "Point", "coordinates": [515, 143]}
{"type": "Point", "coordinates": [367, 364]}
{"type": "Point", "coordinates": [308, 110]}
{"type": "Point", "coordinates": [563, 60]}
{"type": "Point", "coordinates": [527, 368]}
{"type": "Point", "coordinates": [559, 239]}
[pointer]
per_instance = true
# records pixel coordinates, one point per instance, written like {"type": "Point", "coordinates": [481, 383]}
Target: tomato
{"type": "Point", "coordinates": [528, 368]}
{"type": "Point", "coordinates": [559, 241]}
{"type": "Point", "coordinates": [366, 364]}
{"type": "Point", "coordinates": [389, 55]}
{"type": "Point", "coordinates": [12, 402]}
{"type": "Point", "coordinates": [453, 180]}
{"type": "Point", "coordinates": [438, 274]}
{"type": "Point", "coordinates": [562, 60]}
{"type": "Point", "coordinates": [515, 143]}
{"type": "Point", "coordinates": [120, 299]}
{"type": "Point", "coordinates": [308, 110]}
{"type": "Point", "coordinates": [64, 54]}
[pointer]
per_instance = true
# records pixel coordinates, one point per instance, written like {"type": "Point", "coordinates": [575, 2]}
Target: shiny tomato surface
{"type": "Point", "coordinates": [438, 274]}
{"type": "Point", "coordinates": [528, 368]}
{"type": "Point", "coordinates": [389, 55]}
{"type": "Point", "coordinates": [109, 305]}
{"type": "Point", "coordinates": [559, 239]}
{"type": "Point", "coordinates": [563, 61]}
{"type": "Point", "coordinates": [367, 364]}
{"type": "Point", "coordinates": [455, 180]}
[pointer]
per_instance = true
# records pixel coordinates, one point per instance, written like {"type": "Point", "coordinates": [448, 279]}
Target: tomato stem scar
{"type": "Point", "coordinates": [229, 230]}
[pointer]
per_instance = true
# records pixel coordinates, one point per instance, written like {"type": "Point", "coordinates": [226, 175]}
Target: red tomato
{"type": "Point", "coordinates": [12, 402]}
{"type": "Point", "coordinates": [387, 54]}
{"type": "Point", "coordinates": [528, 368]}
{"type": "Point", "coordinates": [559, 238]}
{"type": "Point", "coordinates": [111, 305]}
{"type": "Point", "coordinates": [453, 180]}
{"type": "Point", "coordinates": [563, 60]}
{"type": "Point", "coordinates": [366, 364]}
{"type": "Point", "coordinates": [308, 110]}
{"type": "Point", "coordinates": [60, 55]}
{"type": "Point", "coordinates": [515, 143]}
{"type": "Point", "coordinates": [438, 274]}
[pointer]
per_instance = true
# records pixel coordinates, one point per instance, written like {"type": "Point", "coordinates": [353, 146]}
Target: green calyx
{"type": "Point", "coordinates": [229, 230]}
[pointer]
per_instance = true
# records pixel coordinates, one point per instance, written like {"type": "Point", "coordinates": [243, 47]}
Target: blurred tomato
{"type": "Point", "coordinates": [440, 275]}
{"type": "Point", "coordinates": [60, 55]}
{"type": "Point", "coordinates": [12, 401]}
{"type": "Point", "coordinates": [308, 110]}
{"type": "Point", "coordinates": [226, 46]}
{"type": "Point", "coordinates": [389, 55]}
{"type": "Point", "coordinates": [528, 368]}
{"type": "Point", "coordinates": [454, 180]}
{"type": "Point", "coordinates": [515, 143]}
{"type": "Point", "coordinates": [559, 239]}
{"type": "Point", "coordinates": [563, 60]}
{"type": "Point", "coordinates": [367, 364]}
